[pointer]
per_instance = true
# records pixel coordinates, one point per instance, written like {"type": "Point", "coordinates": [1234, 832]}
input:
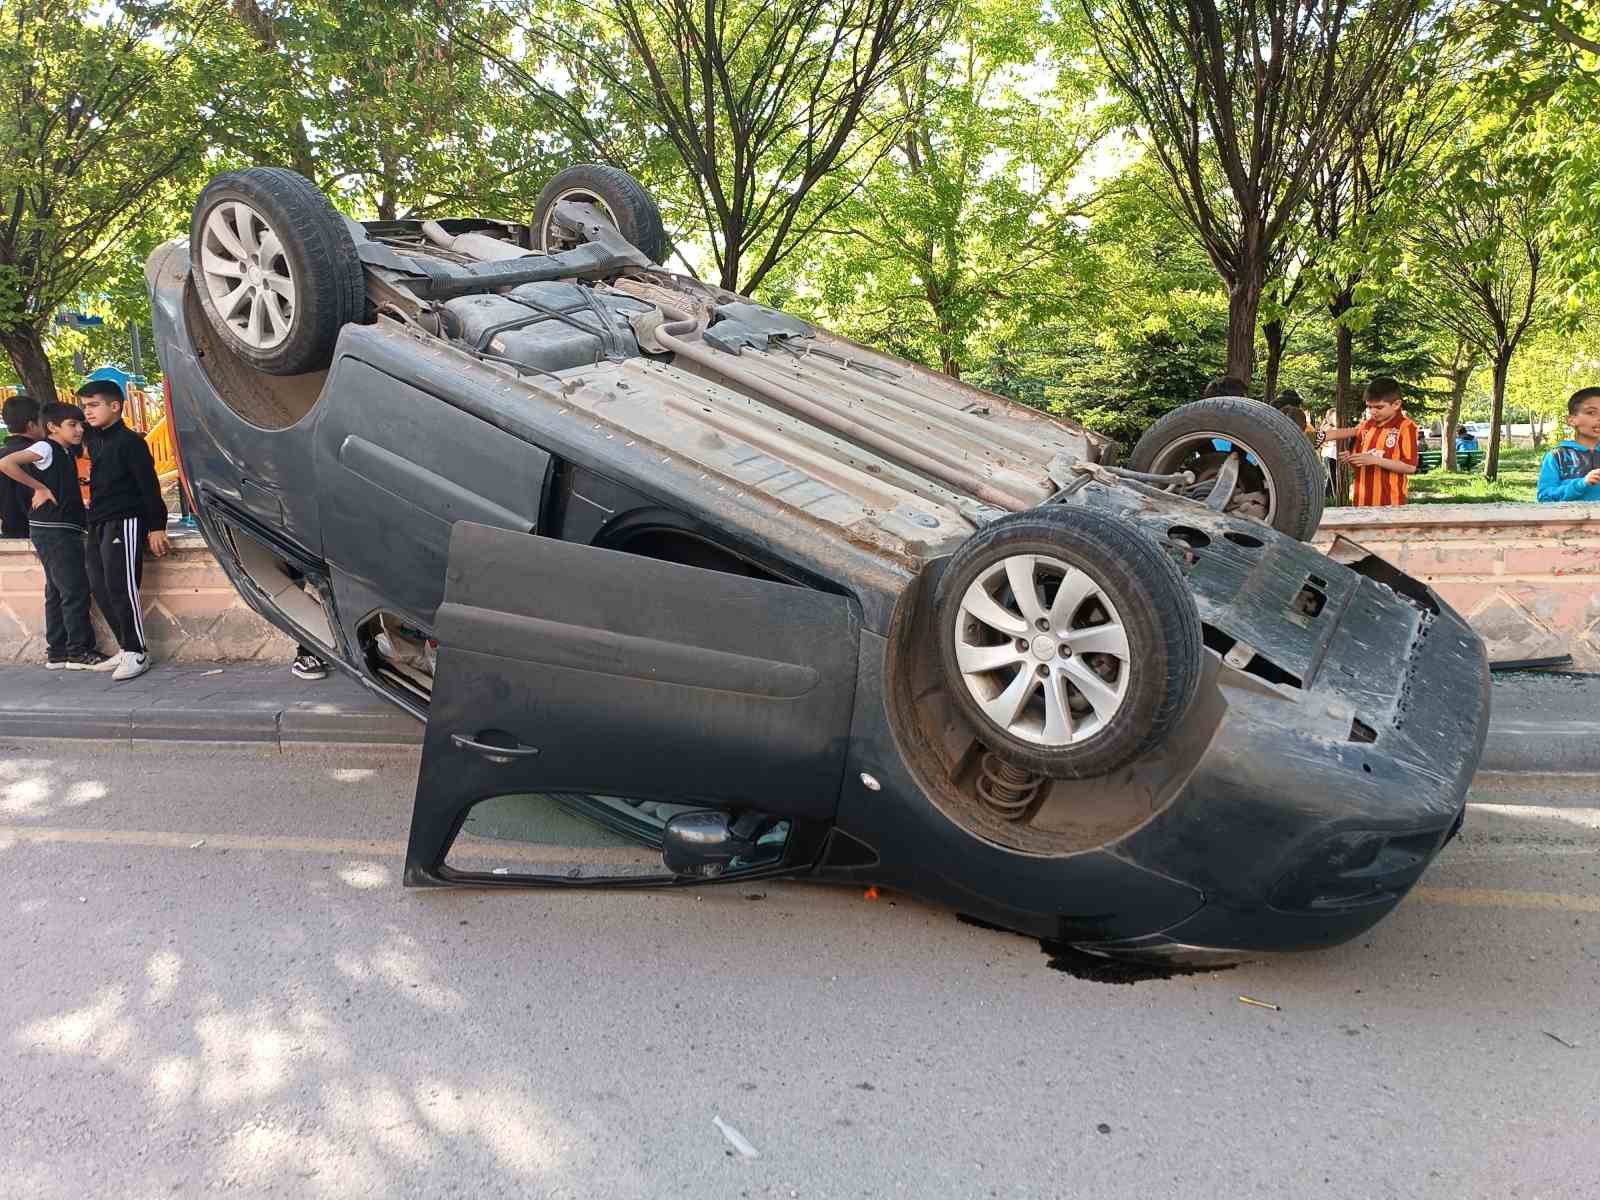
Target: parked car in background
{"type": "Point", "coordinates": [687, 588]}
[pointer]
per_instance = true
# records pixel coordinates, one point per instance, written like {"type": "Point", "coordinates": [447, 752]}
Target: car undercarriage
{"type": "Point", "coordinates": [754, 598]}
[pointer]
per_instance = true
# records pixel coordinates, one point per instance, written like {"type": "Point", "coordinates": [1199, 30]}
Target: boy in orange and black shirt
{"type": "Point", "coordinates": [1385, 453]}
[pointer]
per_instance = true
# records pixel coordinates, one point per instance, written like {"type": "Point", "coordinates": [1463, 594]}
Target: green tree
{"type": "Point", "coordinates": [393, 109]}
{"type": "Point", "coordinates": [971, 222]}
{"type": "Point", "coordinates": [1479, 242]}
{"type": "Point", "coordinates": [1146, 330]}
{"type": "Point", "coordinates": [98, 120]}
{"type": "Point", "coordinates": [1242, 102]}
{"type": "Point", "coordinates": [776, 110]}
{"type": "Point", "coordinates": [1547, 370]}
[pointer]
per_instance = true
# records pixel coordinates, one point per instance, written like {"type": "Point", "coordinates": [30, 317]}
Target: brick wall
{"type": "Point", "coordinates": [1527, 576]}
{"type": "Point", "coordinates": [191, 612]}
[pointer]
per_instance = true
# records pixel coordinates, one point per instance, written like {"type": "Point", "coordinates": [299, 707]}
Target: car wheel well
{"type": "Point", "coordinates": [664, 535]}
{"type": "Point", "coordinates": [270, 402]}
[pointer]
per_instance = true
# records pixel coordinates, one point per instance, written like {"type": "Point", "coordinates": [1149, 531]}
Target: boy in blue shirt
{"type": "Point", "coordinates": [1572, 470]}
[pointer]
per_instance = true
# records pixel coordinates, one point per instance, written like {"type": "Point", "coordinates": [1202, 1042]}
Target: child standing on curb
{"type": "Point", "coordinates": [56, 526]}
{"type": "Point", "coordinates": [22, 430]}
{"type": "Point", "coordinates": [1387, 448]}
{"type": "Point", "coordinates": [1572, 470]}
{"type": "Point", "coordinates": [126, 512]}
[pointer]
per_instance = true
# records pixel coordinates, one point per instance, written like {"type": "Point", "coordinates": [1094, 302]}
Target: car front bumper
{"type": "Point", "coordinates": [1304, 833]}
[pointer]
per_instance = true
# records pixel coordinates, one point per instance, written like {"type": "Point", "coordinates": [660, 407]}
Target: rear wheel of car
{"type": "Point", "coordinates": [620, 198]}
{"type": "Point", "coordinates": [275, 269]}
{"type": "Point", "coordinates": [1280, 480]}
{"type": "Point", "coordinates": [1069, 640]}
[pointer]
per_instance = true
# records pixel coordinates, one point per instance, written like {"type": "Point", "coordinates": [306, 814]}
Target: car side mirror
{"type": "Point", "coordinates": [705, 844]}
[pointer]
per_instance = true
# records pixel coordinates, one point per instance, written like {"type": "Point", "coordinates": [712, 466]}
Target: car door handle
{"type": "Point", "coordinates": [495, 754]}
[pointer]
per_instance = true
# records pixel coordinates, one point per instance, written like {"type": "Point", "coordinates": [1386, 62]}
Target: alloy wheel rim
{"type": "Point", "coordinates": [1173, 457]}
{"type": "Point", "coordinates": [1042, 650]}
{"type": "Point", "coordinates": [247, 275]}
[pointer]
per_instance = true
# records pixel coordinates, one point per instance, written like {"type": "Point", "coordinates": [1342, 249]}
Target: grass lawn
{"type": "Point", "coordinates": [1519, 475]}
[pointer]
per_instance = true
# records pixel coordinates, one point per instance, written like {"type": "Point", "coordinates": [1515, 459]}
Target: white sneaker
{"type": "Point", "coordinates": [132, 665]}
{"type": "Point", "coordinates": [111, 663]}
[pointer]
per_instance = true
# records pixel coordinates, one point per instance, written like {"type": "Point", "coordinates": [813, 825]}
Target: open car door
{"type": "Point", "coordinates": [586, 700]}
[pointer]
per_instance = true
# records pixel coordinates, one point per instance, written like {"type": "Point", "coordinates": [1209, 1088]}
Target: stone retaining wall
{"type": "Point", "coordinates": [191, 612]}
{"type": "Point", "coordinates": [1527, 577]}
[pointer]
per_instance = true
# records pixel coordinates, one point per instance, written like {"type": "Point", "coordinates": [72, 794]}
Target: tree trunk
{"type": "Point", "coordinates": [1273, 332]}
{"type": "Point", "coordinates": [1344, 400]}
{"type": "Point", "coordinates": [1244, 302]}
{"type": "Point", "coordinates": [25, 348]}
{"type": "Point", "coordinates": [1460, 375]}
{"type": "Point", "coordinates": [1502, 367]}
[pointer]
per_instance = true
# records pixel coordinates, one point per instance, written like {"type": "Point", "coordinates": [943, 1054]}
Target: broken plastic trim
{"type": "Point", "coordinates": [1247, 658]}
{"type": "Point", "coordinates": [1363, 562]}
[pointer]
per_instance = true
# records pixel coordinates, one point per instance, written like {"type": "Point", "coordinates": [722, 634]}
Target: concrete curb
{"type": "Point", "coordinates": [1542, 748]}
{"type": "Point", "coordinates": [267, 725]}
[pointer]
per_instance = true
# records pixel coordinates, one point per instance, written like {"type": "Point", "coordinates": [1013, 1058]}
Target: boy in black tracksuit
{"type": "Point", "coordinates": [55, 523]}
{"type": "Point", "coordinates": [126, 513]}
{"type": "Point", "coordinates": [22, 430]}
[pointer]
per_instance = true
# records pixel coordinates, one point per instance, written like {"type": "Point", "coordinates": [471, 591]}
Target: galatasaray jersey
{"type": "Point", "coordinates": [1395, 439]}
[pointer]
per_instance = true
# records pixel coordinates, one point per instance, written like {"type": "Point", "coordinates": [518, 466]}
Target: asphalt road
{"type": "Point", "coordinates": [270, 1013]}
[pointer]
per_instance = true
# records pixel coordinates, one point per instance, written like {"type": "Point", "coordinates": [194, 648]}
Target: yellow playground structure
{"type": "Point", "coordinates": [145, 412]}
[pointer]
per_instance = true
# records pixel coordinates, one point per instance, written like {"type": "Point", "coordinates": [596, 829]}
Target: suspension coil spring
{"type": "Point", "coordinates": [1009, 791]}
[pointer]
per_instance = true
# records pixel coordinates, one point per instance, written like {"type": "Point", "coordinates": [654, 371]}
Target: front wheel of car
{"type": "Point", "coordinates": [275, 269]}
{"type": "Point", "coordinates": [1277, 476]}
{"type": "Point", "coordinates": [1069, 640]}
{"type": "Point", "coordinates": [624, 202]}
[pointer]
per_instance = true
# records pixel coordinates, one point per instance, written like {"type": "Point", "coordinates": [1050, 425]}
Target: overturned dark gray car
{"type": "Point", "coordinates": [687, 589]}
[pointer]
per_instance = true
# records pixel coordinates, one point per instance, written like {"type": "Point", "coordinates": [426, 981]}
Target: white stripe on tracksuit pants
{"type": "Point", "coordinates": [116, 565]}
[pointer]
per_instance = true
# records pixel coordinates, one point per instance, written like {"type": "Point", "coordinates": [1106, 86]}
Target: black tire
{"type": "Point", "coordinates": [1145, 590]}
{"type": "Point", "coordinates": [328, 283]}
{"type": "Point", "coordinates": [631, 206]}
{"type": "Point", "coordinates": [1287, 454]}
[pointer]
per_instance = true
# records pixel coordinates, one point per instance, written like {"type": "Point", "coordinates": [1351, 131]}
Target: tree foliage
{"type": "Point", "coordinates": [972, 225]}
{"type": "Point", "coordinates": [1480, 240]}
{"type": "Point", "coordinates": [393, 108]}
{"type": "Point", "coordinates": [776, 110]}
{"type": "Point", "coordinates": [97, 121]}
{"type": "Point", "coordinates": [1242, 102]}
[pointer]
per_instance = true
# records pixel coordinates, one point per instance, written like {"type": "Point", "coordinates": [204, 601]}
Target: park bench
{"type": "Point", "coordinates": [1466, 460]}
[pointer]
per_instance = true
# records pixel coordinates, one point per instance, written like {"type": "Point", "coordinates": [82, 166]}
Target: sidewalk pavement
{"type": "Point", "coordinates": [206, 702]}
{"type": "Point", "coordinates": [1542, 723]}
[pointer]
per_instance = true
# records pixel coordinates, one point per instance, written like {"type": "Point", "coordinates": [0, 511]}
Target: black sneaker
{"type": "Point", "coordinates": [309, 666]}
{"type": "Point", "coordinates": [91, 661]}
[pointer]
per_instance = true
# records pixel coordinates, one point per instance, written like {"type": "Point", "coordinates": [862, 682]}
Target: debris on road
{"type": "Point", "coordinates": [1259, 1003]}
{"type": "Point", "coordinates": [197, 845]}
{"type": "Point", "coordinates": [736, 1139]}
{"type": "Point", "coordinates": [870, 894]}
{"type": "Point", "coordinates": [1556, 1037]}
{"type": "Point", "coordinates": [213, 671]}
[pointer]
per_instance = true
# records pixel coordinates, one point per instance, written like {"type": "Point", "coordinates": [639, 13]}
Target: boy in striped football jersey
{"type": "Point", "coordinates": [1384, 456]}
